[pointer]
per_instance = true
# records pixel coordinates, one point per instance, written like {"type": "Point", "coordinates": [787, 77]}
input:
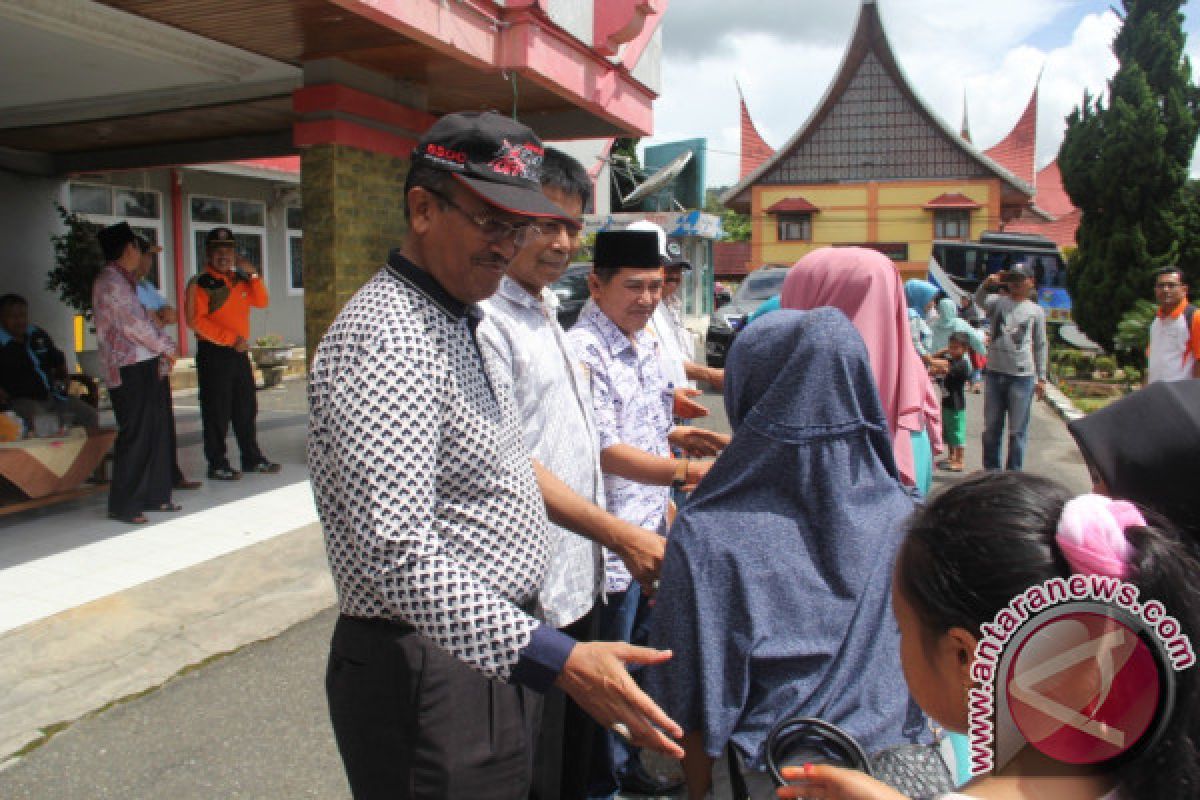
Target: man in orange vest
{"type": "Point", "coordinates": [219, 300]}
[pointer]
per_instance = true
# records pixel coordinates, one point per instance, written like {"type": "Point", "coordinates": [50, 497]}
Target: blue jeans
{"type": "Point", "coordinates": [1011, 395]}
{"type": "Point", "coordinates": [616, 622]}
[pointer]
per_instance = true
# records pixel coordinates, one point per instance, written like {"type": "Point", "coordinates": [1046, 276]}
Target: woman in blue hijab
{"type": "Point", "coordinates": [775, 594]}
{"type": "Point", "coordinates": [919, 295]}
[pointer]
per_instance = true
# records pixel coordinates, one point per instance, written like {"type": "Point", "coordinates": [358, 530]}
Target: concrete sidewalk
{"type": "Point", "coordinates": [93, 610]}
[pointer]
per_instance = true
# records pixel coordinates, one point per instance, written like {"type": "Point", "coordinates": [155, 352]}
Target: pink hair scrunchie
{"type": "Point", "coordinates": [1091, 534]}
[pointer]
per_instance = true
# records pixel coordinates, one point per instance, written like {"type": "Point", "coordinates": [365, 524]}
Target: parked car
{"type": "Point", "coordinates": [727, 320]}
{"type": "Point", "coordinates": [572, 291]}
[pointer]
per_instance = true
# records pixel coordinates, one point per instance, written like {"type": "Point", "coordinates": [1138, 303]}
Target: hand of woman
{"type": "Point", "coordinates": [820, 782]}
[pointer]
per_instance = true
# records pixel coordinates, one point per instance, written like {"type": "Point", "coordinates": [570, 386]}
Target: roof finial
{"type": "Point", "coordinates": [965, 130]}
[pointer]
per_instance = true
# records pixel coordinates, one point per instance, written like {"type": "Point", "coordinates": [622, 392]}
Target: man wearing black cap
{"type": "Point", "coordinates": [137, 356]}
{"type": "Point", "coordinates": [1016, 362]}
{"type": "Point", "coordinates": [218, 309]}
{"type": "Point", "coordinates": [435, 529]}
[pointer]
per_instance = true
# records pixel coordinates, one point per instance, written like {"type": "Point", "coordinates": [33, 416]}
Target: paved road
{"type": "Point", "coordinates": [253, 724]}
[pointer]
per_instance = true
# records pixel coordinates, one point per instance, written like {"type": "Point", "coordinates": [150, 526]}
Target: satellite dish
{"type": "Point", "coordinates": [658, 180]}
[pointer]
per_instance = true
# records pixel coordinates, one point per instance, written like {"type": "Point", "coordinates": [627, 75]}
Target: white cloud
{"type": "Point", "coordinates": [785, 54]}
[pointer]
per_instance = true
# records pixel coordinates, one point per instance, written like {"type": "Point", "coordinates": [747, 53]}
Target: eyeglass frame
{"type": "Point", "coordinates": [520, 235]}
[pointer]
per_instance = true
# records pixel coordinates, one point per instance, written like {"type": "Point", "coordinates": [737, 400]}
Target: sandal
{"type": "Point", "coordinates": [264, 468]}
{"type": "Point", "coordinates": [167, 507]}
{"type": "Point", "coordinates": [132, 519]}
{"type": "Point", "coordinates": [224, 474]}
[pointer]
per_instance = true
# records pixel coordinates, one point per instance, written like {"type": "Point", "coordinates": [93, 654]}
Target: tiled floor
{"type": "Point", "coordinates": [60, 557]}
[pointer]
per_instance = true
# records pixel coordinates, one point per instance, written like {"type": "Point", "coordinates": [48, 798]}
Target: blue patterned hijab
{"type": "Point", "coordinates": [775, 593]}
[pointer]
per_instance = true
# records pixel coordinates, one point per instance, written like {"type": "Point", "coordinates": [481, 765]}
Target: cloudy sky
{"type": "Point", "coordinates": [784, 53]}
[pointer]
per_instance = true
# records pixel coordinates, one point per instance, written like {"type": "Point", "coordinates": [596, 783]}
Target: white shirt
{"type": "Point", "coordinates": [669, 331]}
{"type": "Point", "coordinates": [521, 335]}
{"type": "Point", "coordinates": [1171, 348]}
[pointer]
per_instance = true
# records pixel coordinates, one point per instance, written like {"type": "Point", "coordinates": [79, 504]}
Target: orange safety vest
{"type": "Point", "coordinates": [219, 303]}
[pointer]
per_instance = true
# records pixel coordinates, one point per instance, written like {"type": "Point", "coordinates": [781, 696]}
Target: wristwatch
{"type": "Point", "coordinates": [681, 473]}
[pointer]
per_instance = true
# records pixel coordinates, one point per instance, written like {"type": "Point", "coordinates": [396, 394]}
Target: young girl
{"type": "Point", "coordinates": [967, 555]}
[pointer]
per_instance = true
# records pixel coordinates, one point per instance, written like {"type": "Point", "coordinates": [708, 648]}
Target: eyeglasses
{"type": "Point", "coordinates": [494, 230]}
{"type": "Point", "coordinates": [1167, 285]}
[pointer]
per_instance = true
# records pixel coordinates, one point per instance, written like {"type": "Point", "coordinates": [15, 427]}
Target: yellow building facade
{"type": "Point", "coordinates": [874, 167]}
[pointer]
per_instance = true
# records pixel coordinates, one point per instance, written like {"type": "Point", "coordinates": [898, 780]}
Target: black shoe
{"type": "Point", "coordinates": [223, 474]}
{"type": "Point", "coordinates": [638, 781]}
{"type": "Point", "coordinates": [264, 468]}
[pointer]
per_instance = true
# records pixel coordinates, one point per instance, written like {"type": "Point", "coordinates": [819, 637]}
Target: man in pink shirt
{"type": "Point", "coordinates": [137, 356]}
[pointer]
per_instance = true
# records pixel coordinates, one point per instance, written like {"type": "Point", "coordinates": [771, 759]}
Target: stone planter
{"type": "Point", "coordinates": [266, 357]}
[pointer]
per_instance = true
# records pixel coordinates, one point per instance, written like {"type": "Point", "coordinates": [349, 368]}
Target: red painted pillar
{"type": "Point", "coordinates": [180, 244]}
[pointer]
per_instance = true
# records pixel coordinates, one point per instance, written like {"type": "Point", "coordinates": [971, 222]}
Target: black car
{"type": "Point", "coordinates": [726, 321]}
{"type": "Point", "coordinates": [572, 291]}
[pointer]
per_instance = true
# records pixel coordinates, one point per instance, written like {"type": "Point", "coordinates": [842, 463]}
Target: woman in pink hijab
{"type": "Point", "coordinates": [866, 287]}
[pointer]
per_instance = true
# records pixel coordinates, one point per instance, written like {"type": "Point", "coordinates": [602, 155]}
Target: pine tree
{"type": "Point", "coordinates": [1125, 163]}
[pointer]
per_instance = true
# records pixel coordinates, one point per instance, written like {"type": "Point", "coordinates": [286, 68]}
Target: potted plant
{"type": "Point", "coordinates": [271, 354]}
{"type": "Point", "coordinates": [78, 259]}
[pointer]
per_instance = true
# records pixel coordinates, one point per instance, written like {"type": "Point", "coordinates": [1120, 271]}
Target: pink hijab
{"type": "Point", "coordinates": [866, 287]}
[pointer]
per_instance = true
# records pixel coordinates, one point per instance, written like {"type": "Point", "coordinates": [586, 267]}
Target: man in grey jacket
{"type": "Point", "coordinates": [1016, 368]}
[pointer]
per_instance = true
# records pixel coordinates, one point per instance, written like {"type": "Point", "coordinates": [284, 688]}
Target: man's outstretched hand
{"type": "Point", "coordinates": [595, 677]}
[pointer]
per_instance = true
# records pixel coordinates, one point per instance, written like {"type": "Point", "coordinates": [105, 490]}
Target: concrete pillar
{"type": "Point", "coordinates": [353, 214]}
{"type": "Point", "coordinates": [355, 132]}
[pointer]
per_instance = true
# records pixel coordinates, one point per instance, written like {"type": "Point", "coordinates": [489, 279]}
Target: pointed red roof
{"type": "Point", "coordinates": [755, 150]}
{"type": "Point", "coordinates": [1051, 196]}
{"type": "Point", "coordinates": [793, 205]}
{"type": "Point", "coordinates": [1016, 152]}
{"type": "Point", "coordinates": [952, 200]}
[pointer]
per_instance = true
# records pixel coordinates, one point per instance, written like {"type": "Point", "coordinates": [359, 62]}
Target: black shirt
{"type": "Point", "coordinates": [955, 384]}
{"type": "Point", "coordinates": [26, 367]}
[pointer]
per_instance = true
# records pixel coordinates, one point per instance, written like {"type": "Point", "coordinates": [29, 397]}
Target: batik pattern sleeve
{"type": "Point", "coordinates": [604, 397]}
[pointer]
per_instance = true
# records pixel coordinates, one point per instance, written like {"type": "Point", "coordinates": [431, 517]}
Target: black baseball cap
{"type": "Point", "coordinates": [497, 158]}
{"type": "Point", "coordinates": [634, 249]}
{"type": "Point", "coordinates": [219, 237]}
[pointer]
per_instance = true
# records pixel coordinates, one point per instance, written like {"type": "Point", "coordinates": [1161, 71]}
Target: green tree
{"type": "Point", "coordinates": [735, 227]}
{"type": "Point", "coordinates": [77, 261]}
{"type": "Point", "coordinates": [626, 166]}
{"type": "Point", "coordinates": [1125, 163]}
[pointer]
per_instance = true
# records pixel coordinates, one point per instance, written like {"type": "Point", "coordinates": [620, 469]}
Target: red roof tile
{"type": "Point", "coordinates": [289, 164]}
{"type": "Point", "coordinates": [792, 205]}
{"type": "Point", "coordinates": [1016, 152]}
{"type": "Point", "coordinates": [952, 200]}
{"type": "Point", "coordinates": [1051, 196]}
{"type": "Point", "coordinates": [754, 149]}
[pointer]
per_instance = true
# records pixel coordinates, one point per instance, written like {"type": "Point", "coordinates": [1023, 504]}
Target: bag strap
{"type": "Point", "coordinates": [737, 783]}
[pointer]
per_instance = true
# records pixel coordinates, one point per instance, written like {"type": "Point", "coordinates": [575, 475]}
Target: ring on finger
{"type": "Point", "coordinates": [622, 730]}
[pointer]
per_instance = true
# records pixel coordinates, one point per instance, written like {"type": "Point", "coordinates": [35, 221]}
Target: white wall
{"type": "Point", "coordinates": [27, 220]}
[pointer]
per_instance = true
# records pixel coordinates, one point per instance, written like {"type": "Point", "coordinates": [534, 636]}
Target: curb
{"type": "Point", "coordinates": [1062, 404]}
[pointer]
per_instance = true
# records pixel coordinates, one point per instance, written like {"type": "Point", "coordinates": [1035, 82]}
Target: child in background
{"type": "Point", "coordinates": [954, 400]}
{"type": "Point", "coordinates": [961, 563]}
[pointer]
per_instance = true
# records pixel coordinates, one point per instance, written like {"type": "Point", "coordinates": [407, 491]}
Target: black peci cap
{"type": "Point", "coordinates": [114, 238]}
{"type": "Point", "coordinates": [497, 158]}
{"type": "Point", "coordinates": [633, 249]}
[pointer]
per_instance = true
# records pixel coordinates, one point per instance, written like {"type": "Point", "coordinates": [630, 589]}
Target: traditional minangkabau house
{"type": "Point", "coordinates": [874, 166]}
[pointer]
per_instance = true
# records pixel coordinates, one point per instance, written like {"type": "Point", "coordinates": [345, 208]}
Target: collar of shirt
{"type": "Point", "coordinates": [426, 284]}
{"type": "Point", "coordinates": [614, 338]}
{"type": "Point", "coordinates": [1175, 312]}
{"type": "Point", "coordinates": [518, 295]}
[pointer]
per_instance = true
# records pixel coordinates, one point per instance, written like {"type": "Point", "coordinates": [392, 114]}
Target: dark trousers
{"type": "Point", "coordinates": [227, 395]}
{"type": "Point", "coordinates": [176, 472]}
{"type": "Point", "coordinates": [563, 759]}
{"type": "Point", "coordinates": [411, 721]}
{"type": "Point", "coordinates": [141, 477]}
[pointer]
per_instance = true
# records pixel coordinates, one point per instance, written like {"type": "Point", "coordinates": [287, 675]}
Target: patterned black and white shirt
{"type": "Point", "coordinates": [431, 511]}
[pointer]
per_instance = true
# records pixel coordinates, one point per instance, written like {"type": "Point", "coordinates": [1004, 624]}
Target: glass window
{"type": "Point", "coordinates": [85, 199]}
{"type": "Point", "coordinates": [133, 203]}
{"type": "Point", "coordinates": [295, 218]}
{"type": "Point", "coordinates": [242, 212]}
{"type": "Point", "coordinates": [210, 209]}
{"type": "Point", "coordinates": [795, 227]}
{"type": "Point", "coordinates": [952, 224]}
{"type": "Point", "coordinates": [296, 261]}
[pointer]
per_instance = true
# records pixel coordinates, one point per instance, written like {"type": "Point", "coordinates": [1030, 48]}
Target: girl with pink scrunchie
{"type": "Point", "coordinates": [967, 554]}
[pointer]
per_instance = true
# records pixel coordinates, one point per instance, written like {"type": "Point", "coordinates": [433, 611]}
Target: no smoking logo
{"type": "Point", "coordinates": [1084, 687]}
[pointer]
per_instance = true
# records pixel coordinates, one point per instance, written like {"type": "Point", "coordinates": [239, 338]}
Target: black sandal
{"type": "Point", "coordinates": [167, 507]}
{"type": "Point", "coordinates": [131, 519]}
